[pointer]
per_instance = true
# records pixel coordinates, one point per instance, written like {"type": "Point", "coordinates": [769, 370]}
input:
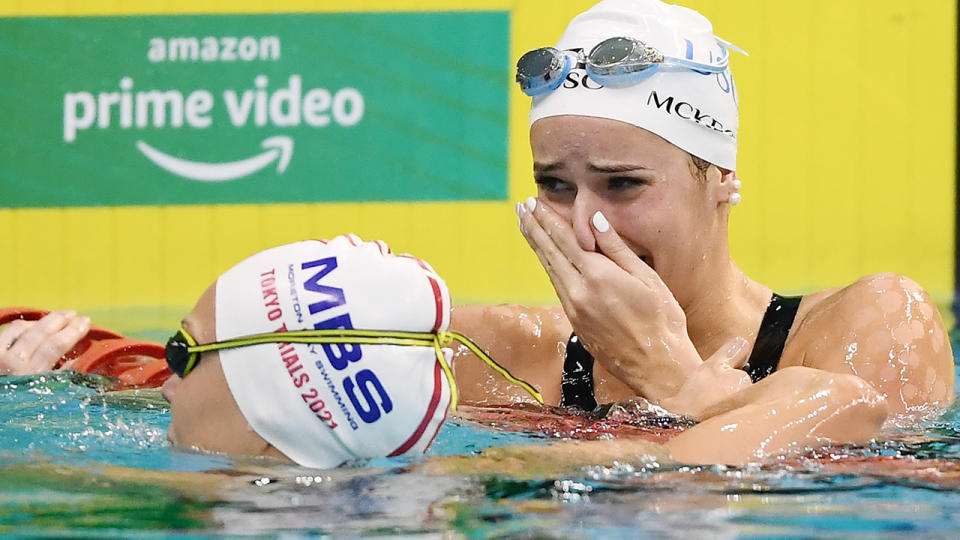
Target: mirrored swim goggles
{"type": "Point", "coordinates": [617, 61]}
{"type": "Point", "coordinates": [184, 353]}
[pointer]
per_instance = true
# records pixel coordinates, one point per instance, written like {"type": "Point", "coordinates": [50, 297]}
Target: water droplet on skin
{"type": "Point", "coordinates": [851, 351]}
{"type": "Point", "coordinates": [939, 339]}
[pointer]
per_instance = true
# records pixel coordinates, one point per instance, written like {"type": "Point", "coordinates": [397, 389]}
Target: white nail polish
{"type": "Point", "coordinates": [736, 184]}
{"type": "Point", "coordinates": [531, 204]}
{"type": "Point", "coordinates": [521, 209]}
{"type": "Point", "coordinates": [600, 222]}
{"type": "Point", "coordinates": [735, 199]}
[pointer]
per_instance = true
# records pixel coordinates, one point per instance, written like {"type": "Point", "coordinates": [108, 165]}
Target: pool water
{"type": "Point", "coordinates": [80, 461]}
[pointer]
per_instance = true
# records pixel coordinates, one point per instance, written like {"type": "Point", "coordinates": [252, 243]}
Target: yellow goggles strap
{"type": "Point", "coordinates": [377, 337]}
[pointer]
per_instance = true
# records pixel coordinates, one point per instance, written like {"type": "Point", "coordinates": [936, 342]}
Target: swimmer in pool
{"type": "Point", "coordinates": [322, 404]}
{"type": "Point", "coordinates": [633, 130]}
{"type": "Point", "coordinates": [316, 403]}
{"type": "Point", "coordinates": [287, 395]}
{"type": "Point", "coordinates": [631, 223]}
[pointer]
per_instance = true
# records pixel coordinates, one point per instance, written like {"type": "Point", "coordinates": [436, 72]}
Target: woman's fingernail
{"type": "Point", "coordinates": [521, 209]}
{"type": "Point", "coordinates": [737, 184]}
{"type": "Point", "coordinates": [738, 344]}
{"type": "Point", "coordinates": [600, 222]}
{"type": "Point", "coordinates": [531, 204]}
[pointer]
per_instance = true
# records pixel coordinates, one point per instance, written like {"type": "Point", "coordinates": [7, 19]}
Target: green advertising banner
{"type": "Point", "coordinates": [145, 110]}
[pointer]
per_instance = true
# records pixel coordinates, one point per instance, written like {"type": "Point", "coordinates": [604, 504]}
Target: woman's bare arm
{"type": "Point", "coordinates": [529, 341]}
{"type": "Point", "coordinates": [793, 408]}
{"type": "Point", "coordinates": [884, 329]}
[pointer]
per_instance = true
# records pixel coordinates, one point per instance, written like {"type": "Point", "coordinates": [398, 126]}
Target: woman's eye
{"type": "Point", "coordinates": [622, 183]}
{"type": "Point", "coordinates": [553, 185]}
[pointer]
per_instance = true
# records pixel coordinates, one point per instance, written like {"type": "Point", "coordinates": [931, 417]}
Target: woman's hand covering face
{"type": "Point", "coordinates": [619, 307]}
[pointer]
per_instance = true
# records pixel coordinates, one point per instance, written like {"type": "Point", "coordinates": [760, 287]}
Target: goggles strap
{"type": "Point", "coordinates": [192, 357]}
{"type": "Point", "coordinates": [375, 337]}
{"type": "Point", "coordinates": [446, 337]}
{"type": "Point", "coordinates": [454, 393]}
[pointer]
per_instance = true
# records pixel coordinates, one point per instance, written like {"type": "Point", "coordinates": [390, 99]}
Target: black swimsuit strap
{"type": "Point", "coordinates": [576, 386]}
{"type": "Point", "coordinates": [772, 336]}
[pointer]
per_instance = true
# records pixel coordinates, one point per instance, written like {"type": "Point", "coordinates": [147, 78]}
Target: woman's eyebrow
{"type": "Point", "coordinates": [546, 166]}
{"type": "Point", "coordinates": [612, 167]}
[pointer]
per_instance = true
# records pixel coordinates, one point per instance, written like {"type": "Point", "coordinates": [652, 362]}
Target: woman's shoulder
{"type": "Point", "coordinates": [884, 328]}
{"type": "Point", "coordinates": [870, 303]}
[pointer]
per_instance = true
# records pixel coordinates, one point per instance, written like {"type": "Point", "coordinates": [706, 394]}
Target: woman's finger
{"type": "Point", "coordinates": [11, 333]}
{"type": "Point", "coordinates": [22, 350]}
{"type": "Point", "coordinates": [8, 336]}
{"type": "Point", "coordinates": [611, 245]}
{"type": "Point", "coordinates": [53, 348]}
{"type": "Point", "coordinates": [562, 274]}
{"type": "Point", "coordinates": [561, 234]}
{"type": "Point", "coordinates": [731, 355]}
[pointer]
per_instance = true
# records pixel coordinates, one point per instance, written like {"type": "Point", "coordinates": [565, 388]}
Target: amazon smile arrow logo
{"type": "Point", "coordinates": [278, 147]}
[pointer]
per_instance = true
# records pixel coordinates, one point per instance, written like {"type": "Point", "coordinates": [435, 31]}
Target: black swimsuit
{"type": "Point", "coordinates": [576, 386]}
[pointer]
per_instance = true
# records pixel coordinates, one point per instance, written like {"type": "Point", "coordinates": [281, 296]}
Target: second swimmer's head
{"type": "Point", "coordinates": [318, 404]}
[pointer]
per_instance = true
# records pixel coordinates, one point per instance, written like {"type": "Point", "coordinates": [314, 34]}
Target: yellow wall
{"type": "Point", "coordinates": [846, 155]}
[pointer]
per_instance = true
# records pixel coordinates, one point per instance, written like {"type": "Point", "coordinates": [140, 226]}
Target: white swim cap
{"type": "Point", "coordinates": [694, 111]}
{"type": "Point", "coordinates": [323, 404]}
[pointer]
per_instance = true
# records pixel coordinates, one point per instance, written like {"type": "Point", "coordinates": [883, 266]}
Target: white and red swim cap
{"type": "Point", "coordinates": [695, 111]}
{"type": "Point", "coordinates": [323, 404]}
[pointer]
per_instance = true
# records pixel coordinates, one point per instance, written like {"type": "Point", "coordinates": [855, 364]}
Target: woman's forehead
{"type": "Point", "coordinates": [599, 141]}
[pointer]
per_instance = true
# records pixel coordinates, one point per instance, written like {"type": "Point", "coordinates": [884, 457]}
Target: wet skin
{"type": "Point", "coordinates": [657, 294]}
{"type": "Point", "coordinates": [28, 347]}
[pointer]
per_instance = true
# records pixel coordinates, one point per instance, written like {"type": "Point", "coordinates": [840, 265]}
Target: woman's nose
{"type": "Point", "coordinates": [169, 389]}
{"type": "Point", "coordinates": [584, 206]}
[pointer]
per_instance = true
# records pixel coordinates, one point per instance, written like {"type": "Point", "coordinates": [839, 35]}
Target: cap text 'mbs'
{"type": "Point", "coordinates": [341, 355]}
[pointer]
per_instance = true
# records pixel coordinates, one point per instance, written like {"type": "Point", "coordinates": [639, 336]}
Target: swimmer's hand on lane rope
{"type": "Point", "coordinates": [617, 304]}
{"type": "Point", "coordinates": [437, 341]}
{"type": "Point", "coordinates": [30, 347]}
